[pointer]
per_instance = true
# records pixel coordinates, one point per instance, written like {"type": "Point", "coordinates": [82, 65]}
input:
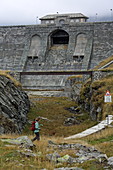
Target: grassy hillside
{"type": "Point", "coordinates": [55, 110]}
{"type": "Point", "coordinates": [10, 158]}
{"type": "Point", "coordinates": [103, 140]}
{"type": "Point", "coordinates": [92, 94]}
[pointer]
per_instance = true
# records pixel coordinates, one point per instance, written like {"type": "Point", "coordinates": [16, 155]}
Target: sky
{"type": "Point", "coordinates": [28, 12]}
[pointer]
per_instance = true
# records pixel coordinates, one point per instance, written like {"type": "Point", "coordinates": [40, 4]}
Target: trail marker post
{"type": "Point", "coordinates": [107, 99]}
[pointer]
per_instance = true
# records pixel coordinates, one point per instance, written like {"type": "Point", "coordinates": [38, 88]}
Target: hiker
{"type": "Point", "coordinates": [36, 131]}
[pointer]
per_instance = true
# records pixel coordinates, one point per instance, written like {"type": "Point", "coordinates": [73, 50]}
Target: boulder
{"type": "Point", "coordinates": [71, 121]}
{"type": "Point", "coordinates": [65, 158]}
{"type": "Point", "coordinates": [110, 161]}
{"type": "Point", "coordinates": [22, 140]}
{"type": "Point", "coordinates": [27, 154]}
{"type": "Point", "coordinates": [102, 158]}
{"type": "Point", "coordinates": [53, 157]}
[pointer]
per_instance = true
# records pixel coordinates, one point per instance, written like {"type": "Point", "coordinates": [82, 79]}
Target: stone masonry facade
{"type": "Point", "coordinates": [54, 46]}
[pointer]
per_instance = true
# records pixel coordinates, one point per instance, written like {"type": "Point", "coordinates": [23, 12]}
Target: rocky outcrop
{"type": "Point", "coordinates": [14, 106]}
{"type": "Point", "coordinates": [22, 141]}
{"type": "Point", "coordinates": [73, 86]}
{"type": "Point", "coordinates": [71, 121]}
{"type": "Point", "coordinates": [82, 154]}
{"type": "Point", "coordinates": [57, 153]}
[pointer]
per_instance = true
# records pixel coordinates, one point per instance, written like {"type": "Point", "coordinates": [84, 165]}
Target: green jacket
{"type": "Point", "coordinates": [37, 127]}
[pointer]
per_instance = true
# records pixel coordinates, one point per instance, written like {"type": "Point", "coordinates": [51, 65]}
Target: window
{"type": "Point", "coordinates": [77, 20]}
{"type": "Point", "coordinates": [81, 57]}
{"type": "Point", "coordinates": [75, 58]}
{"type": "Point", "coordinates": [72, 20]}
{"type": "Point", "coordinates": [78, 58]}
{"type": "Point", "coordinates": [47, 22]}
{"type": "Point", "coordinates": [62, 21]}
{"type": "Point", "coordinates": [52, 22]}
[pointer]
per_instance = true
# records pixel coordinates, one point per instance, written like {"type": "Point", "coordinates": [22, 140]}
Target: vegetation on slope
{"type": "Point", "coordinates": [102, 140]}
{"type": "Point", "coordinates": [56, 110]}
{"type": "Point", "coordinates": [10, 158]}
{"type": "Point", "coordinates": [104, 62]}
{"type": "Point", "coordinates": [92, 96]}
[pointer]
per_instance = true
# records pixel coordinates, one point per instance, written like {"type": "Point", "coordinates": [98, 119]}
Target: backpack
{"type": "Point", "coordinates": [33, 126]}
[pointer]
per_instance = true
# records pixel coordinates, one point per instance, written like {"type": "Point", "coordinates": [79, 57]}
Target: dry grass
{"type": "Point", "coordinates": [11, 159]}
{"type": "Point", "coordinates": [55, 109]}
{"type": "Point", "coordinates": [99, 89]}
{"type": "Point", "coordinates": [102, 140]}
{"type": "Point", "coordinates": [104, 62]}
{"type": "Point", "coordinates": [6, 74]}
{"type": "Point", "coordinates": [9, 136]}
{"type": "Point", "coordinates": [101, 134]}
{"type": "Point", "coordinates": [106, 147]}
{"type": "Point", "coordinates": [74, 77]}
{"type": "Point", "coordinates": [94, 92]}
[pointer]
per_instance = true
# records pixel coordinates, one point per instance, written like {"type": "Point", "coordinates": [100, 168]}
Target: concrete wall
{"type": "Point", "coordinates": [44, 82]}
{"type": "Point", "coordinates": [102, 42]}
{"type": "Point", "coordinates": [12, 46]}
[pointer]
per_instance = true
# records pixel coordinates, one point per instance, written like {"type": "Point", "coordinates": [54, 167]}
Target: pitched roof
{"type": "Point", "coordinates": [70, 15]}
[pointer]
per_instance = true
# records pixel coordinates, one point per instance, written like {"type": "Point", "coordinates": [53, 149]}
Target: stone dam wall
{"type": "Point", "coordinates": [29, 47]}
{"type": "Point", "coordinates": [32, 48]}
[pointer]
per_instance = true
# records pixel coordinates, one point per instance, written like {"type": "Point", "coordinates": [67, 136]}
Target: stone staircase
{"type": "Point", "coordinates": [93, 129]}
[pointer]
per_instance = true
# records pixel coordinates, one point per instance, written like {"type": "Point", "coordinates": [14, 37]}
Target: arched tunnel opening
{"type": "Point", "coordinates": [59, 37]}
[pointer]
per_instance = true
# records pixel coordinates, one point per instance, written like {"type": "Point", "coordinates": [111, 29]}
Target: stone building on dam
{"type": "Point", "coordinates": [62, 42]}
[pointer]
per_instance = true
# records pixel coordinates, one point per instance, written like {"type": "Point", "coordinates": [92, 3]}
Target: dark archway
{"type": "Point", "coordinates": [59, 37]}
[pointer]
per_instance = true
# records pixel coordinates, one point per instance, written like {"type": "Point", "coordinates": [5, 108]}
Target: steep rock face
{"type": "Point", "coordinates": [82, 94]}
{"type": "Point", "coordinates": [14, 106]}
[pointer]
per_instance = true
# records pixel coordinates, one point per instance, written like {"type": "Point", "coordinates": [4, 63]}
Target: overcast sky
{"type": "Point", "coordinates": [22, 12]}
